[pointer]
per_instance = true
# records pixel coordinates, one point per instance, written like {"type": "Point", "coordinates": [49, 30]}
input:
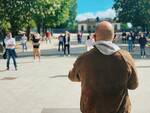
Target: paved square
{"type": "Point", "coordinates": [38, 87]}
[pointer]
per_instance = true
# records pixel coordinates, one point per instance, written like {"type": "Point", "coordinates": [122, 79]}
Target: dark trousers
{"type": "Point", "coordinates": [79, 40]}
{"type": "Point", "coordinates": [11, 54]}
{"type": "Point", "coordinates": [143, 53]}
{"type": "Point", "coordinates": [61, 44]}
{"type": "Point", "coordinates": [67, 46]}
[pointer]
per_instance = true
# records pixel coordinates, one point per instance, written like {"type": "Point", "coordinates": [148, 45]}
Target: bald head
{"type": "Point", "coordinates": [104, 31]}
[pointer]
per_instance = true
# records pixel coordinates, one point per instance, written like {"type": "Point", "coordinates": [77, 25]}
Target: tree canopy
{"type": "Point", "coordinates": [135, 11]}
{"type": "Point", "coordinates": [19, 14]}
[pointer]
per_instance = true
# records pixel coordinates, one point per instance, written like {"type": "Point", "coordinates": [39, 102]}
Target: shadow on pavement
{"type": "Point", "coordinates": [3, 70]}
{"type": "Point", "coordinates": [59, 76]}
{"type": "Point", "coordinates": [25, 62]}
{"type": "Point", "coordinates": [61, 110]}
{"type": "Point", "coordinates": [143, 66]}
{"type": "Point", "coordinates": [9, 78]}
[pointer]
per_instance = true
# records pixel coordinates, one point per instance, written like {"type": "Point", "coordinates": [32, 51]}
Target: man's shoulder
{"type": "Point", "coordinates": [124, 52]}
{"type": "Point", "coordinates": [126, 56]}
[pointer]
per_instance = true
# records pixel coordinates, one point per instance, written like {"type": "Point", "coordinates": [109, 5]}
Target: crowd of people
{"type": "Point", "coordinates": [64, 43]}
{"type": "Point", "coordinates": [132, 38]}
{"type": "Point", "coordinates": [9, 47]}
{"type": "Point", "coordinates": [106, 72]}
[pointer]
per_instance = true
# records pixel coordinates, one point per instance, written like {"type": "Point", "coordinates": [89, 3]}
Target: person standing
{"type": "Point", "coordinates": [79, 37]}
{"type": "Point", "coordinates": [130, 43]}
{"type": "Point", "coordinates": [124, 37]}
{"type": "Point", "coordinates": [24, 42]}
{"type": "Point", "coordinates": [142, 42]}
{"type": "Point", "coordinates": [89, 42]}
{"type": "Point", "coordinates": [106, 73]}
{"type": "Point", "coordinates": [48, 37]}
{"type": "Point", "coordinates": [60, 43]}
{"type": "Point", "coordinates": [36, 45]}
{"type": "Point", "coordinates": [10, 50]}
{"type": "Point", "coordinates": [67, 43]}
{"type": "Point", "coordinates": [133, 39]}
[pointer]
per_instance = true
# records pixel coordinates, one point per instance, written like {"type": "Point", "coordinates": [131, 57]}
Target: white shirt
{"type": "Point", "coordinates": [10, 43]}
{"type": "Point", "coordinates": [23, 39]}
{"type": "Point", "coordinates": [89, 44]}
{"type": "Point", "coordinates": [67, 40]}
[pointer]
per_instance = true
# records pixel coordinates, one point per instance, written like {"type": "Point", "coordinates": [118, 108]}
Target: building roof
{"type": "Point", "coordinates": [93, 20]}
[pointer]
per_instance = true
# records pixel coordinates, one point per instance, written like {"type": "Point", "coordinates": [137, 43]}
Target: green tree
{"type": "Point", "coordinates": [71, 21]}
{"type": "Point", "coordinates": [17, 13]}
{"type": "Point", "coordinates": [135, 11]}
{"type": "Point", "coordinates": [20, 14]}
{"type": "Point", "coordinates": [124, 26]}
{"type": "Point", "coordinates": [51, 13]}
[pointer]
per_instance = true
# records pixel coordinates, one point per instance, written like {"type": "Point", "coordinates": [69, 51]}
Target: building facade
{"type": "Point", "coordinates": [89, 25]}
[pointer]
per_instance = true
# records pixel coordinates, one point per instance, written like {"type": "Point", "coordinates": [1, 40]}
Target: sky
{"type": "Point", "coordinates": [94, 8]}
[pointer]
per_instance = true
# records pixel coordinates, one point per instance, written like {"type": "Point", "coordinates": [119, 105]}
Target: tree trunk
{"type": "Point", "coordinates": [39, 28]}
{"type": "Point", "coordinates": [14, 28]}
{"type": "Point", "coordinates": [28, 32]}
{"type": "Point", "coordinates": [43, 30]}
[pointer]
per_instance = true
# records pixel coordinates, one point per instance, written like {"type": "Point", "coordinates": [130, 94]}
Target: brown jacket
{"type": "Point", "coordinates": [105, 80]}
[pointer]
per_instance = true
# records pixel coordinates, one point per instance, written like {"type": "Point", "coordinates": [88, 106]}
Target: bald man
{"type": "Point", "coordinates": [106, 73]}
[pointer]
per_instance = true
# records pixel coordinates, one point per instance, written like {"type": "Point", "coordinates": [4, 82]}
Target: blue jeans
{"type": "Point", "coordinates": [79, 40]}
{"type": "Point", "coordinates": [11, 54]}
{"type": "Point", "coordinates": [130, 46]}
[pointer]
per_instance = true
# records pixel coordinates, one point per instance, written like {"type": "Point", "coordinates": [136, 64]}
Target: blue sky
{"type": "Point", "coordinates": [93, 6]}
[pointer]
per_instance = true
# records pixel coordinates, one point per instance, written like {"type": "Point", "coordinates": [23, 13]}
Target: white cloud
{"type": "Point", "coordinates": [109, 13]}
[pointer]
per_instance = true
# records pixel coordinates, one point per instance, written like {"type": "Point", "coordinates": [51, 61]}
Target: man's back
{"type": "Point", "coordinates": [106, 73]}
{"type": "Point", "coordinates": [104, 81]}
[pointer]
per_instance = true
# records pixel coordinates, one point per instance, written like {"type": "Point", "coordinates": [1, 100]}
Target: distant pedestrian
{"type": "Point", "coordinates": [61, 43]}
{"type": "Point", "coordinates": [24, 42]}
{"type": "Point", "coordinates": [124, 37]}
{"type": "Point", "coordinates": [36, 45]}
{"type": "Point", "coordinates": [89, 43]}
{"type": "Point", "coordinates": [79, 37]}
{"type": "Point", "coordinates": [142, 42]}
{"type": "Point", "coordinates": [10, 50]}
{"type": "Point", "coordinates": [48, 37]}
{"type": "Point", "coordinates": [67, 43]}
{"type": "Point", "coordinates": [130, 43]}
{"type": "Point", "coordinates": [133, 35]}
